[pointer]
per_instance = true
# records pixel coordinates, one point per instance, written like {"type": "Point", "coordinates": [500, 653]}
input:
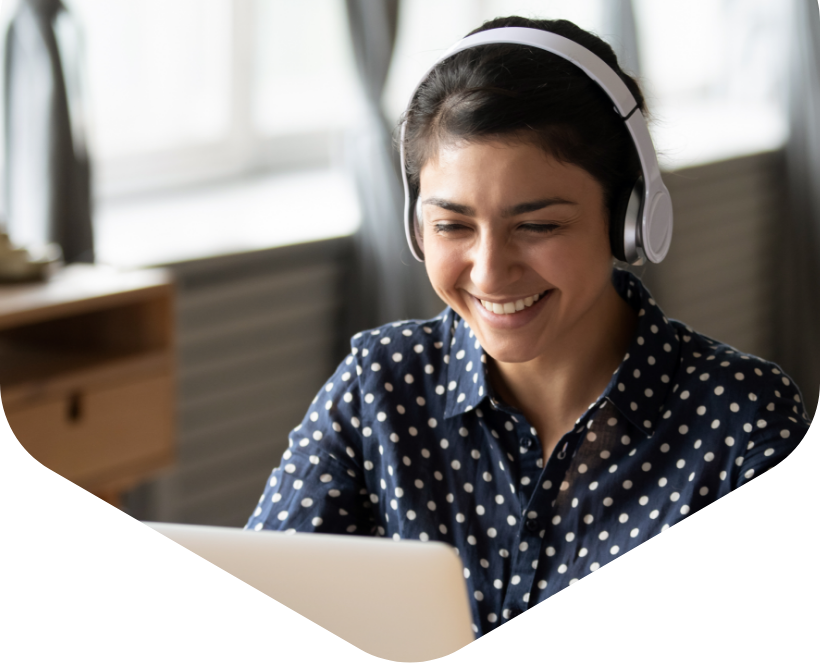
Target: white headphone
{"type": "Point", "coordinates": [645, 213]}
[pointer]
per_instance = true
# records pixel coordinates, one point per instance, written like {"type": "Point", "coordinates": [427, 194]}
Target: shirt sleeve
{"type": "Point", "coordinates": [319, 484]}
{"type": "Point", "coordinates": [780, 424]}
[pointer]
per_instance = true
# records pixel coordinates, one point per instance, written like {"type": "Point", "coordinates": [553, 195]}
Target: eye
{"type": "Point", "coordinates": [539, 228]}
{"type": "Point", "coordinates": [444, 228]}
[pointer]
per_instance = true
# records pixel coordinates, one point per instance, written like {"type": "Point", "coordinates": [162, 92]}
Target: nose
{"type": "Point", "coordinates": [494, 265]}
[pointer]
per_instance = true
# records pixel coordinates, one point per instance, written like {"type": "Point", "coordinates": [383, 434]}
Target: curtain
{"type": "Point", "coordinates": [48, 190]}
{"type": "Point", "coordinates": [388, 283]}
{"type": "Point", "coordinates": [620, 31]}
{"type": "Point", "coordinates": [798, 324]}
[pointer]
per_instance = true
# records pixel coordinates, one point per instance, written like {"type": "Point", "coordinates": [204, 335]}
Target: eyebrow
{"type": "Point", "coordinates": [512, 211]}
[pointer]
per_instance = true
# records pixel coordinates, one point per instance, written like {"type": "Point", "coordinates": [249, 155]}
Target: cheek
{"type": "Point", "coordinates": [444, 267]}
{"type": "Point", "coordinates": [561, 263]}
{"type": "Point", "coordinates": [435, 263]}
{"type": "Point", "coordinates": [573, 264]}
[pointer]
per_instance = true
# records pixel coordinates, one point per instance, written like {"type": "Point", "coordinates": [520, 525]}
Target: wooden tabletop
{"type": "Point", "coordinates": [77, 289]}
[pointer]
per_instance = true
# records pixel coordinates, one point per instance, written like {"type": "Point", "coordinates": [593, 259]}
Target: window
{"type": "Point", "coordinates": [206, 92]}
{"type": "Point", "coordinates": [186, 91]}
{"type": "Point", "coordinates": [713, 74]}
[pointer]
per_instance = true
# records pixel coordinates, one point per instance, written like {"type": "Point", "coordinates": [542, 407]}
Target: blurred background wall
{"type": "Point", "coordinates": [246, 145]}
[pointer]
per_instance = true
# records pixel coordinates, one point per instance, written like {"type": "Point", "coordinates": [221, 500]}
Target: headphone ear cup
{"type": "Point", "coordinates": [617, 222]}
{"type": "Point", "coordinates": [417, 228]}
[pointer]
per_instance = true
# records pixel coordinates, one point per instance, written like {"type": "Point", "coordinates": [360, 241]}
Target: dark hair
{"type": "Point", "coordinates": [514, 92]}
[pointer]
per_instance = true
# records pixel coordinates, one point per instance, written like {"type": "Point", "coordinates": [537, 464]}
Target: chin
{"type": "Point", "coordinates": [512, 358]}
{"type": "Point", "coordinates": [510, 353]}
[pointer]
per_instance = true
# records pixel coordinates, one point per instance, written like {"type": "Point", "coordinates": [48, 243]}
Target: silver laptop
{"type": "Point", "coordinates": [405, 600]}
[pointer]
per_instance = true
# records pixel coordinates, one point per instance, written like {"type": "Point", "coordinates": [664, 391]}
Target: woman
{"type": "Point", "coordinates": [551, 418]}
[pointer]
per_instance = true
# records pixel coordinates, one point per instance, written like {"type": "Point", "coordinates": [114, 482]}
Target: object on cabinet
{"type": "Point", "coordinates": [18, 264]}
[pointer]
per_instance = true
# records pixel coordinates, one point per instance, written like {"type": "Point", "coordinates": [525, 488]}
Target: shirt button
{"type": "Point", "coordinates": [526, 443]}
{"type": "Point", "coordinates": [532, 525]}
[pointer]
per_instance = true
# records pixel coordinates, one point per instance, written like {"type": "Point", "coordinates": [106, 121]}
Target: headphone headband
{"type": "Point", "coordinates": [653, 230]}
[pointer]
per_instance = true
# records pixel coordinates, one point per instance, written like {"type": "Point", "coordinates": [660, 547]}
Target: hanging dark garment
{"type": "Point", "coordinates": [48, 186]}
{"type": "Point", "coordinates": [388, 284]}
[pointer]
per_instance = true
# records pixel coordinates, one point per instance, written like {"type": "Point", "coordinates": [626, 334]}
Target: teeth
{"type": "Point", "coordinates": [510, 307]}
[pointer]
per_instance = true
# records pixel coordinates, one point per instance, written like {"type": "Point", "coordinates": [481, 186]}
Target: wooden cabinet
{"type": "Point", "coordinates": [87, 374]}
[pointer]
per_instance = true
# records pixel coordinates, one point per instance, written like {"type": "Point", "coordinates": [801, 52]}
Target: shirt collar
{"type": "Point", "coordinates": [467, 382]}
{"type": "Point", "coordinates": [639, 386]}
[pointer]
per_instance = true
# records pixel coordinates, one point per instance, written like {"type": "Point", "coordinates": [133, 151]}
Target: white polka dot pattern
{"type": "Point", "coordinates": [408, 440]}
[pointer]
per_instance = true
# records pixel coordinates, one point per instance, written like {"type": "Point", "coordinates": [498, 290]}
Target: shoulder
{"type": "Point", "coordinates": [401, 336]}
{"type": "Point", "coordinates": [744, 381]}
{"type": "Point", "coordinates": [395, 344]}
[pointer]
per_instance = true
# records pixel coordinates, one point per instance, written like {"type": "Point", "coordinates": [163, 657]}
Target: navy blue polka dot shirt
{"type": "Point", "coordinates": [408, 440]}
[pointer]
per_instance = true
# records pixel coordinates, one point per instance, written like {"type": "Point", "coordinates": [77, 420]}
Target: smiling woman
{"type": "Point", "coordinates": [504, 223]}
{"type": "Point", "coordinates": [552, 417]}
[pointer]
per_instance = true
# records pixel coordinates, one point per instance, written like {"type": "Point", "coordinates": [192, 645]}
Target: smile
{"type": "Point", "coordinates": [511, 306]}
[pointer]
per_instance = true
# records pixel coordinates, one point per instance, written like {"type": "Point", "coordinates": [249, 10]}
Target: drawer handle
{"type": "Point", "coordinates": [75, 407]}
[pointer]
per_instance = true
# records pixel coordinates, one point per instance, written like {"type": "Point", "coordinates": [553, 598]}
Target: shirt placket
{"type": "Point", "coordinates": [525, 556]}
{"type": "Point", "coordinates": [537, 498]}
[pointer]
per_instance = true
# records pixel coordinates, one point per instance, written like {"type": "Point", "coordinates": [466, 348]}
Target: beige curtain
{"type": "Point", "coordinates": [798, 294]}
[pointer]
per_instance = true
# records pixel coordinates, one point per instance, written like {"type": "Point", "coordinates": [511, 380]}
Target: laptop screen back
{"type": "Point", "coordinates": [400, 600]}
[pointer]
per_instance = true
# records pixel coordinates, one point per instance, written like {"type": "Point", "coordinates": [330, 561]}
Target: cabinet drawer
{"type": "Point", "coordinates": [95, 437]}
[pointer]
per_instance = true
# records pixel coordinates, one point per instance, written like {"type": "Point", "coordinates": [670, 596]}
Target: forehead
{"type": "Point", "coordinates": [501, 170]}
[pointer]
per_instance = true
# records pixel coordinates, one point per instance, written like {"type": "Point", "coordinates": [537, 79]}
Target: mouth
{"type": "Point", "coordinates": [509, 307]}
{"type": "Point", "coordinates": [513, 313]}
